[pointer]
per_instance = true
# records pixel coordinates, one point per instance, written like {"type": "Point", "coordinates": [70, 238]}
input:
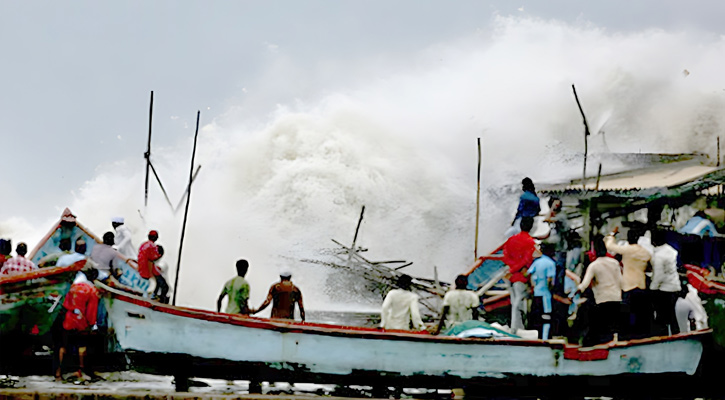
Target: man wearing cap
{"type": "Point", "coordinates": [147, 254]}
{"type": "Point", "coordinates": [283, 295]}
{"type": "Point", "coordinates": [237, 289]}
{"type": "Point", "coordinates": [123, 238]}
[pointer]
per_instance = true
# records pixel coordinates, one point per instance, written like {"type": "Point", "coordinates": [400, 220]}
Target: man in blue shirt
{"type": "Point", "coordinates": [699, 225]}
{"type": "Point", "coordinates": [542, 272]}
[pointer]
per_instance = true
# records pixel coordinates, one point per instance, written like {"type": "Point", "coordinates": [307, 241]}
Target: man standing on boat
{"type": "Point", "coordinates": [559, 238]}
{"type": "Point", "coordinates": [529, 206]}
{"type": "Point", "coordinates": [665, 285]}
{"type": "Point", "coordinates": [147, 254]}
{"type": "Point", "coordinates": [237, 289]}
{"type": "Point", "coordinates": [400, 307]}
{"type": "Point", "coordinates": [283, 295]}
{"type": "Point", "coordinates": [635, 296]}
{"type": "Point", "coordinates": [604, 274]}
{"type": "Point", "coordinates": [123, 238]}
{"type": "Point", "coordinates": [459, 305]}
{"type": "Point", "coordinates": [103, 255]}
{"type": "Point", "coordinates": [518, 253]}
{"type": "Point", "coordinates": [542, 272]}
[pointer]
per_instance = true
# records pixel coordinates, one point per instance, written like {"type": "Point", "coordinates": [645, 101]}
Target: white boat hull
{"type": "Point", "coordinates": [147, 327]}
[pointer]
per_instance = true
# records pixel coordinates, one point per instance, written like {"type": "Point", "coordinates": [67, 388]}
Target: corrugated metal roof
{"type": "Point", "coordinates": [661, 176]}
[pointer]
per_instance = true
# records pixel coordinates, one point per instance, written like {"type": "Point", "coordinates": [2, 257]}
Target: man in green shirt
{"type": "Point", "coordinates": [238, 290]}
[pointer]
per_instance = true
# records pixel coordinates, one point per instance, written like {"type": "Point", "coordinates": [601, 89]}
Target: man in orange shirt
{"type": "Point", "coordinates": [518, 253]}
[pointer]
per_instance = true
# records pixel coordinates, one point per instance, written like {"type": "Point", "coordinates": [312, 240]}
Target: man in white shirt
{"type": "Point", "coordinates": [123, 238]}
{"type": "Point", "coordinates": [459, 305]}
{"type": "Point", "coordinates": [400, 308]}
{"type": "Point", "coordinates": [664, 286]}
{"type": "Point", "coordinates": [71, 258]}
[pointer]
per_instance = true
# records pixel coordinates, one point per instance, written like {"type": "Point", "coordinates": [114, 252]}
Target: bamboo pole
{"type": "Point", "coordinates": [354, 239]}
{"type": "Point", "coordinates": [147, 154]}
{"type": "Point", "coordinates": [186, 211]}
{"type": "Point", "coordinates": [478, 200]}
{"type": "Point", "coordinates": [586, 135]}
{"type": "Point", "coordinates": [599, 176]}
{"type": "Point", "coordinates": [186, 192]}
{"type": "Point", "coordinates": [160, 184]}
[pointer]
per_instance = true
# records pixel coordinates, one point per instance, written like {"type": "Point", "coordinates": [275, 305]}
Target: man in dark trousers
{"type": "Point", "coordinates": [283, 295]}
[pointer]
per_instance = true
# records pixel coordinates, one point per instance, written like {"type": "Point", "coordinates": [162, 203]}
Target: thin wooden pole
{"type": "Point", "coordinates": [147, 154]}
{"type": "Point", "coordinates": [478, 200]}
{"type": "Point", "coordinates": [586, 136]}
{"type": "Point", "coordinates": [186, 192]}
{"type": "Point", "coordinates": [354, 239]}
{"type": "Point", "coordinates": [599, 175]}
{"type": "Point", "coordinates": [718, 151]}
{"type": "Point", "coordinates": [186, 211]}
{"type": "Point", "coordinates": [160, 184]}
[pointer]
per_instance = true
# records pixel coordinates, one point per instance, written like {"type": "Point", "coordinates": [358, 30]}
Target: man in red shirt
{"type": "Point", "coordinates": [518, 253]}
{"type": "Point", "coordinates": [81, 308]}
{"type": "Point", "coordinates": [147, 254]}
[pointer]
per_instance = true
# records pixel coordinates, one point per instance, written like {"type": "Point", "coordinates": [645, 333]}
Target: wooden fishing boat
{"type": "Point", "coordinates": [190, 342]}
{"type": "Point", "coordinates": [30, 302]}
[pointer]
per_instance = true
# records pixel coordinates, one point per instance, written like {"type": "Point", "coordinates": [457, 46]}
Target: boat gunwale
{"type": "Point", "coordinates": [41, 273]}
{"type": "Point", "coordinates": [369, 333]}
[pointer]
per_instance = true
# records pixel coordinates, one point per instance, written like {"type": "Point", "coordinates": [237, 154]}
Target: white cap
{"type": "Point", "coordinates": [285, 273]}
{"type": "Point", "coordinates": [118, 220]}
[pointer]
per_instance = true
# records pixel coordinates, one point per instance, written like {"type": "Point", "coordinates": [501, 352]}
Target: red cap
{"type": "Point", "coordinates": [153, 233]}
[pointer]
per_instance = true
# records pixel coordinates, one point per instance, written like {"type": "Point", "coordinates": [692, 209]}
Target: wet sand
{"type": "Point", "coordinates": [134, 385]}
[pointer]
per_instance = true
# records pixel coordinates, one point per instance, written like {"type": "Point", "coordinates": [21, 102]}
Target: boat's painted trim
{"type": "Point", "coordinates": [283, 325]}
{"type": "Point", "coordinates": [40, 273]}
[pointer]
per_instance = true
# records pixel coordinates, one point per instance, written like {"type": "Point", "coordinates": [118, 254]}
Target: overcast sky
{"type": "Point", "coordinates": [76, 76]}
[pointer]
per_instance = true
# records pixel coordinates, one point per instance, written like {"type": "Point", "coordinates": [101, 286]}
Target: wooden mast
{"type": "Point", "coordinates": [354, 239]}
{"type": "Point", "coordinates": [186, 210]}
{"type": "Point", "coordinates": [478, 200]}
{"type": "Point", "coordinates": [586, 136]}
{"type": "Point", "coordinates": [147, 154]}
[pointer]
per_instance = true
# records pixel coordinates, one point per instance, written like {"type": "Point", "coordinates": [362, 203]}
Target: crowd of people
{"type": "Point", "coordinates": [627, 289]}
{"type": "Point", "coordinates": [631, 289]}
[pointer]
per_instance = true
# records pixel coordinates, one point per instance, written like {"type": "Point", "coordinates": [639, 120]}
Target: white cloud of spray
{"type": "Point", "coordinates": [404, 145]}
